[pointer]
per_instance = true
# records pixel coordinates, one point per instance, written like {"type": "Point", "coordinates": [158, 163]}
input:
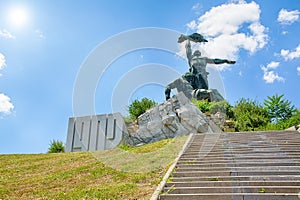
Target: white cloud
{"type": "Point", "coordinates": [298, 70]}
{"type": "Point", "coordinates": [5, 105]}
{"type": "Point", "coordinates": [5, 34]}
{"type": "Point", "coordinates": [271, 65]}
{"type": "Point", "coordinates": [284, 53]}
{"type": "Point", "coordinates": [221, 26]}
{"type": "Point", "coordinates": [192, 25]}
{"type": "Point", "coordinates": [197, 8]}
{"type": "Point", "coordinates": [237, 1]}
{"type": "Point", "coordinates": [2, 61]}
{"type": "Point", "coordinates": [40, 34]}
{"type": "Point", "coordinates": [269, 74]}
{"type": "Point", "coordinates": [288, 17]}
{"type": "Point", "coordinates": [227, 18]}
{"type": "Point", "coordinates": [290, 55]}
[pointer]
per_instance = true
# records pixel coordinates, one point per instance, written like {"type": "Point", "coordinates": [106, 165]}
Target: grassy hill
{"type": "Point", "coordinates": [121, 173]}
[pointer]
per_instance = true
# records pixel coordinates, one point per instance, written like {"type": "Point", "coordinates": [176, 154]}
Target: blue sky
{"type": "Point", "coordinates": [44, 45]}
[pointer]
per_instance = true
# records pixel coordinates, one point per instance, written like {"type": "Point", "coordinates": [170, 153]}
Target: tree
{"type": "Point", "coordinates": [279, 109]}
{"type": "Point", "coordinates": [136, 108]}
{"type": "Point", "coordinates": [249, 115]}
{"type": "Point", "coordinates": [56, 146]}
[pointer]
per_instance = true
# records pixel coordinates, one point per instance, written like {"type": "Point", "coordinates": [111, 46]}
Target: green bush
{"type": "Point", "coordinates": [128, 119]}
{"type": "Point", "coordinates": [275, 126]}
{"type": "Point", "coordinates": [214, 107]}
{"type": "Point", "coordinates": [294, 120]}
{"type": "Point", "coordinates": [284, 124]}
{"type": "Point", "coordinates": [249, 115]}
{"type": "Point", "coordinates": [136, 108]}
{"type": "Point", "coordinates": [56, 146]}
{"type": "Point", "coordinates": [202, 105]}
{"type": "Point", "coordinates": [222, 106]}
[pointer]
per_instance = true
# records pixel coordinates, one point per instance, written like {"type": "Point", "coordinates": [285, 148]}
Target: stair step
{"type": "Point", "coordinates": [255, 168]}
{"type": "Point", "coordinates": [236, 157]}
{"type": "Point", "coordinates": [238, 178]}
{"type": "Point", "coordinates": [238, 164]}
{"type": "Point", "coordinates": [230, 196]}
{"type": "Point", "coordinates": [233, 173]}
{"type": "Point", "coordinates": [232, 189]}
{"type": "Point", "coordinates": [198, 158]}
{"type": "Point", "coordinates": [241, 152]}
{"type": "Point", "coordinates": [218, 183]}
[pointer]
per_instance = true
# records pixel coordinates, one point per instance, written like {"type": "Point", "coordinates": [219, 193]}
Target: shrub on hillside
{"type": "Point", "coordinates": [222, 106]}
{"type": "Point", "coordinates": [249, 115]}
{"type": "Point", "coordinates": [284, 124]}
{"type": "Point", "coordinates": [294, 120]}
{"type": "Point", "coordinates": [127, 119]}
{"type": "Point", "coordinates": [202, 105]}
{"type": "Point", "coordinates": [56, 146]}
{"type": "Point", "coordinates": [138, 107]}
{"type": "Point", "coordinates": [214, 107]}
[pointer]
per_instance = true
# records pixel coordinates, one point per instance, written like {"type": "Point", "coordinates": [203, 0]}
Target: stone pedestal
{"type": "Point", "coordinates": [176, 116]}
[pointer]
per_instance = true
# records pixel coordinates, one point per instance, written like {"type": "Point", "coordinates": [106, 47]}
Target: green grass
{"type": "Point", "coordinates": [142, 159]}
{"type": "Point", "coordinates": [84, 175]}
{"type": "Point", "coordinates": [171, 189]}
{"type": "Point", "coordinates": [214, 179]}
{"type": "Point", "coordinates": [147, 148]}
{"type": "Point", "coordinates": [262, 190]}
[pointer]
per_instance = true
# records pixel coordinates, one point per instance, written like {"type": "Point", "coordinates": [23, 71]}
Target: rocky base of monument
{"type": "Point", "coordinates": [218, 118]}
{"type": "Point", "coordinates": [294, 128]}
{"type": "Point", "coordinates": [176, 116]}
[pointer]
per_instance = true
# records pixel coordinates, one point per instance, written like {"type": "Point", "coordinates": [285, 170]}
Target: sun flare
{"type": "Point", "coordinates": [18, 17]}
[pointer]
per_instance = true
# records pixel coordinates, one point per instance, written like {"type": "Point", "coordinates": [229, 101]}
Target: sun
{"type": "Point", "coordinates": [18, 17]}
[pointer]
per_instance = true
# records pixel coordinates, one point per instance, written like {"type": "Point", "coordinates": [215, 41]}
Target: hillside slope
{"type": "Point", "coordinates": [86, 175]}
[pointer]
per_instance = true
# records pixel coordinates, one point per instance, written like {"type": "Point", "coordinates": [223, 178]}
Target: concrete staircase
{"type": "Point", "coordinates": [253, 165]}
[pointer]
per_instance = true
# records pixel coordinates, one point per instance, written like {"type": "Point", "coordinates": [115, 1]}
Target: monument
{"type": "Point", "coordinates": [194, 84]}
{"type": "Point", "coordinates": [95, 132]}
{"type": "Point", "coordinates": [176, 116]}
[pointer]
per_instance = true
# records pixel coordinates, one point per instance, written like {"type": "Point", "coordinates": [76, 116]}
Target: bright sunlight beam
{"type": "Point", "coordinates": [18, 17]}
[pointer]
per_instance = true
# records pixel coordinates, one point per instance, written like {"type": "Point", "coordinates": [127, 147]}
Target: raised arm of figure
{"type": "Point", "coordinates": [218, 61]}
{"type": "Point", "coordinates": [188, 51]}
